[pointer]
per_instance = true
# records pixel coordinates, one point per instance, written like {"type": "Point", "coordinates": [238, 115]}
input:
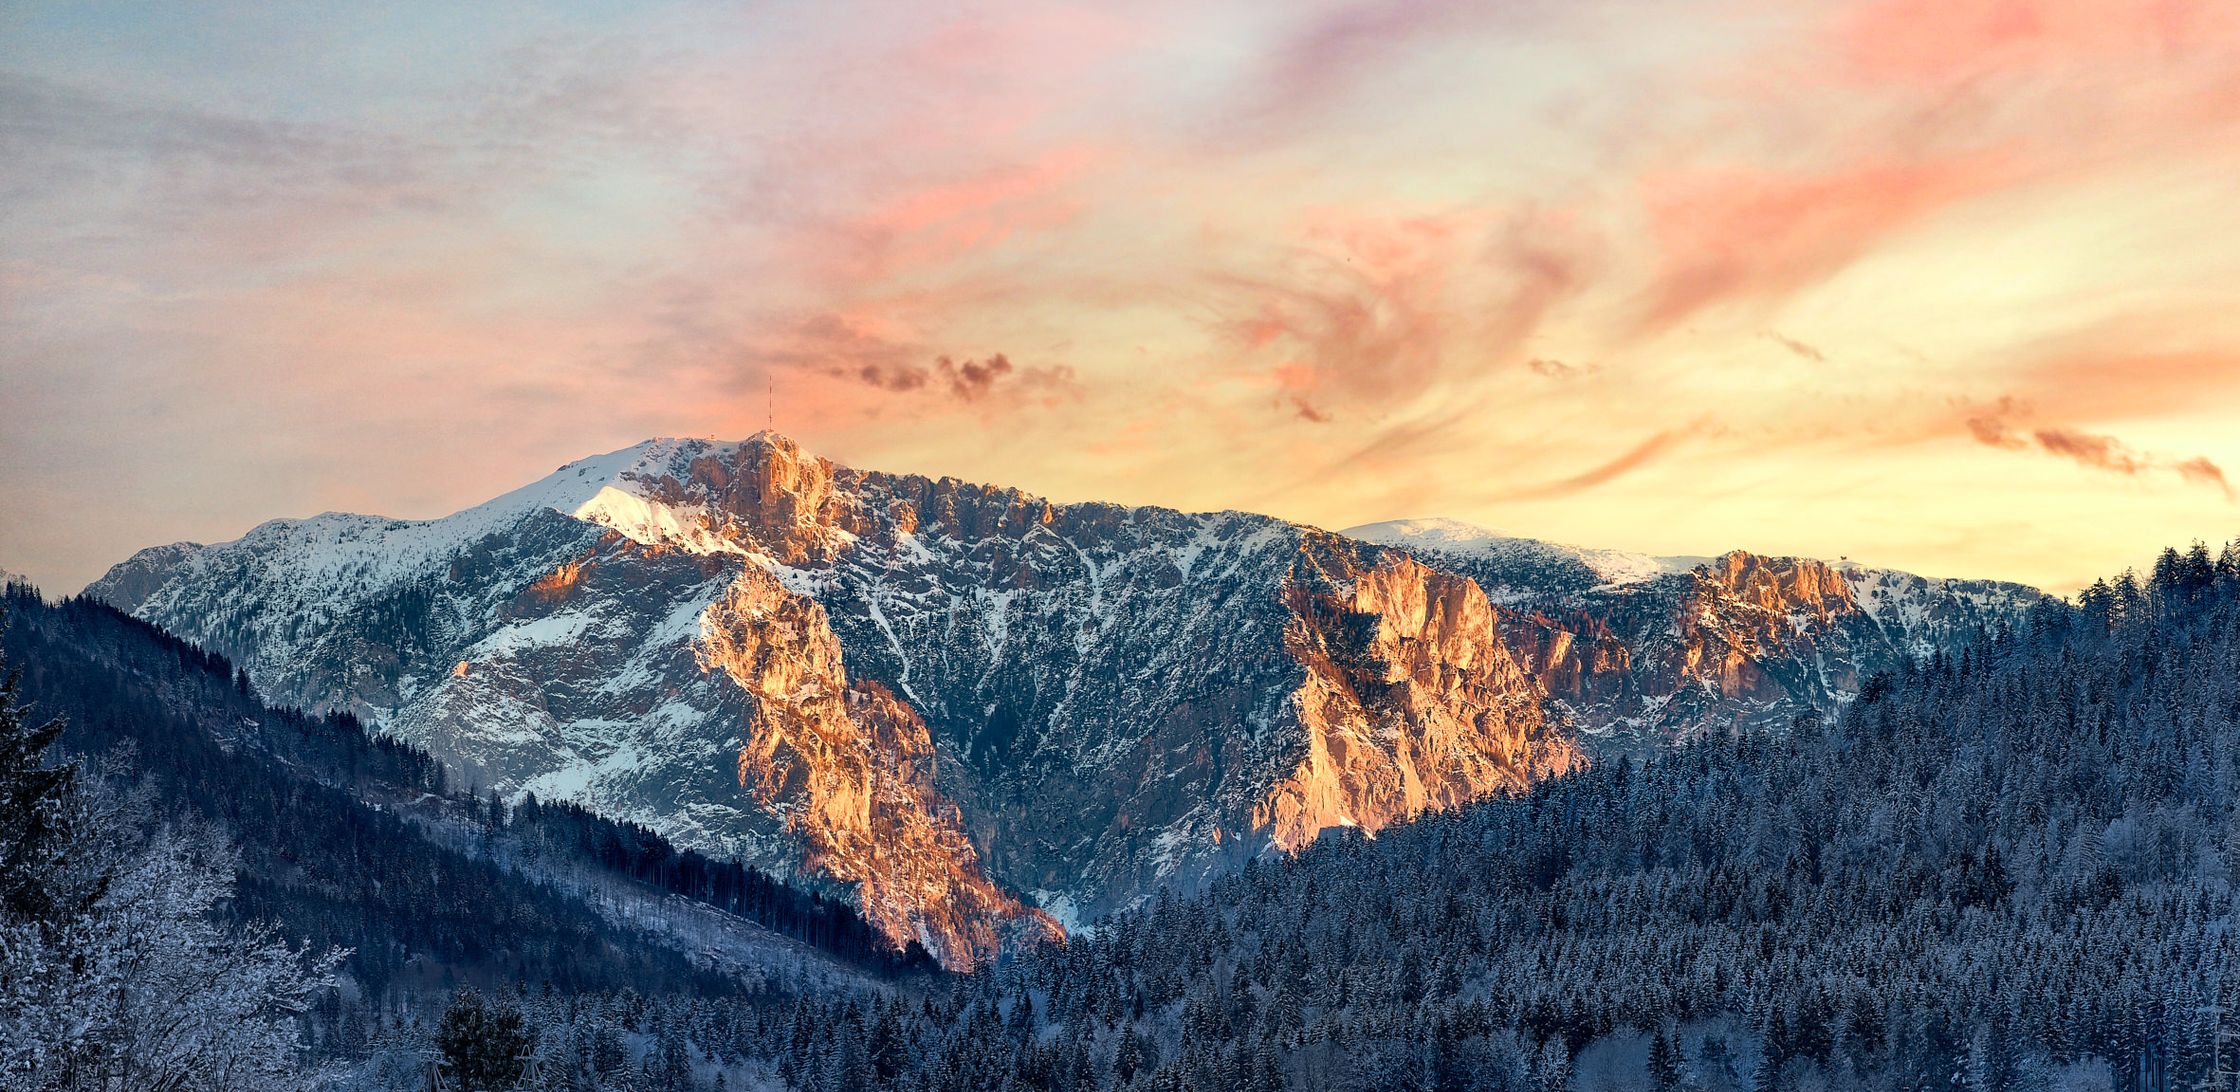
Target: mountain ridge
{"type": "Point", "coordinates": [1644, 650]}
{"type": "Point", "coordinates": [985, 715]}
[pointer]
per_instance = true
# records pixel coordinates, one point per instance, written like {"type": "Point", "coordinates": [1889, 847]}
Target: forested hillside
{"type": "Point", "coordinates": [334, 840]}
{"type": "Point", "coordinates": [2010, 868]}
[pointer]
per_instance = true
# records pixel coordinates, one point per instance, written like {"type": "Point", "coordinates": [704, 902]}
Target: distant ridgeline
{"type": "Point", "coordinates": [355, 840]}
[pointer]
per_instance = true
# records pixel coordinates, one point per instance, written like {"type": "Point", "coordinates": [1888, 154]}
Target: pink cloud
{"type": "Point", "coordinates": [981, 197]}
{"type": "Point", "coordinates": [2105, 371]}
{"type": "Point", "coordinates": [1339, 50]}
{"type": "Point", "coordinates": [1933, 41]}
{"type": "Point", "coordinates": [1373, 308]}
{"type": "Point", "coordinates": [1743, 235]}
{"type": "Point", "coordinates": [1360, 314]}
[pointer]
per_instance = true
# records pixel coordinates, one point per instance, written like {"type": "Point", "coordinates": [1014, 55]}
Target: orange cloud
{"type": "Point", "coordinates": [2102, 371]}
{"type": "Point", "coordinates": [1798, 348]}
{"type": "Point", "coordinates": [1632, 459]}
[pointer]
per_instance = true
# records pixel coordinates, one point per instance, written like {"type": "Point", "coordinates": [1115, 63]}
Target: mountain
{"type": "Point", "coordinates": [1640, 650]}
{"type": "Point", "coordinates": [2011, 868]}
{"type": "Point", "coordinates": [934, 695]}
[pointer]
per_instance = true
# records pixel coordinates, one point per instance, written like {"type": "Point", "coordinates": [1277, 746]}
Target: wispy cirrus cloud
{"type": "Point", "coordinates": [1626, 462]}
{"type": "Point", "coordinates": [1753, 238]}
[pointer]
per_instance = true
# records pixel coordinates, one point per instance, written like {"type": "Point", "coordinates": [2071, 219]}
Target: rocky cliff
{"type": "Point", "coordinates": [1411, 700]}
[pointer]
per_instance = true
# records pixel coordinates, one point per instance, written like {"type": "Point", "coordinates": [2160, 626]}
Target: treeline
{"type": "Point", "coordinates": [631, 850]}
{"type": "Point", "coordinates": [117, 970]}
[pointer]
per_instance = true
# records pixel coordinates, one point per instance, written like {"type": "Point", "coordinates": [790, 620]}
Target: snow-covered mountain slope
{"type": "Point", "coordinates": [933, 694]}
{"type": "Point", "coordinates": [1514, 569]}
{"type": "Point", "coordinates": [1642, 649]}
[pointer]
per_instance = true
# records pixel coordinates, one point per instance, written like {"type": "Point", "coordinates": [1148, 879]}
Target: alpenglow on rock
{"type": "Point", "coordinates": [980, 713]}
{"type": "Point", "coordinates": [1643, 651]}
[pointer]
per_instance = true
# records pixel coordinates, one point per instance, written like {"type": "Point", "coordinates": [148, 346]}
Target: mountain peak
{"type": "Point", "coordinates": [1460, 538]}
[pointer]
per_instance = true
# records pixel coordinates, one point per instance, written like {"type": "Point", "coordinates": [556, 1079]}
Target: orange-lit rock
{"type": "Point", "coordinates": [851, 769]}
{"type": "Point", "coordinates": [1411, 700]}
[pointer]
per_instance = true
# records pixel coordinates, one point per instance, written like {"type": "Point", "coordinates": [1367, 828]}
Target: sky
{"type": "Point", "coordinates": [1946, 285]}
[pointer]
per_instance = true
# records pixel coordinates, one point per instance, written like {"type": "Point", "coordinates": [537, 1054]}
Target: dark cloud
{"type": "Point", "coordinates": [889, 377]}
{"type": "Point", "coordinates": [1307, 412]}
{"type": "Point", "coordinates": [968, 380]}
{"type": "Point", "coordinates": [1995, 427]}
{"type": "Point", "coordinates": [1552, 368]}
{"type": "Point", "coordinates": [971, 380]}
{"type": "Point", "coordinates": [2087, 449]}
{"type": "Point", "coordinates": [1989, 426]}
{"type": "Point", "coordinates": [2200, 471]}
{"type": "Point", "coordinates": [1808, 352]}
{"type": "Point", "coordinates": [835, 347]}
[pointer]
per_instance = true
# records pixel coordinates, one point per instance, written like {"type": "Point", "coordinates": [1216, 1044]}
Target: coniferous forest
{"type": "Point", "coordinates": [2010, 868]}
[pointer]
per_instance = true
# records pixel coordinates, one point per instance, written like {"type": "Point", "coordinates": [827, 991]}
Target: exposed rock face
{"type": "Point", "coordinates": [851, 769]}
{"type": "Point", "coordinates": [1411, 701]}
{"type": "Point", "coordinates": [928, 693]}
{"type": "Point", "coordinates": [1643, 650]}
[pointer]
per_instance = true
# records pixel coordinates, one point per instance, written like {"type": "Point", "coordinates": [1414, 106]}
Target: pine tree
{"type": "Point", "coordinates": [1128, 1058]}
{"type": "Point", "coordinates": [483, 1044]}
{"type": "Point", "coordinates": [34, 812]}
{"type": "Point", "coordinates": [1664, 1061]}
{"type": "Point", "coordinates": [1551, 1068]}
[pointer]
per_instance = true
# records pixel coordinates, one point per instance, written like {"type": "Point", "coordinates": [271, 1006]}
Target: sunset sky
{"type": "Point", "coordinates": [1947, 285]}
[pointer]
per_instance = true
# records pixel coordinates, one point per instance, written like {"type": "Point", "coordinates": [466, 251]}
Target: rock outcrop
{"type": "Point", "coordinates": [851, 769]}
{"type": "Point", "coordinates": [1411, 702]}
